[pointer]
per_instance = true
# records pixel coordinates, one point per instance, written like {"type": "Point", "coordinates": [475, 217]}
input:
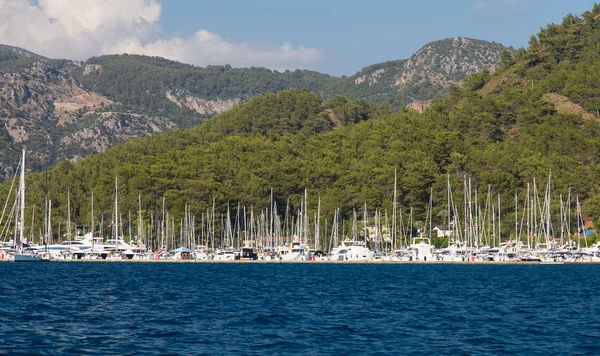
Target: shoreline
{"type": "Point", "coordinates": [478, 263]}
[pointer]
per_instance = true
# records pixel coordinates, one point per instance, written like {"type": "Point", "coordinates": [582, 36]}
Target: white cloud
{"type": "Point", "coordinates": [494, 6]}
{"type": "Point", "coordinates": [79, 29]}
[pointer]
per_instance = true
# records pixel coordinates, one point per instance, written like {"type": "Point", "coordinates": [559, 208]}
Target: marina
{"type": "Point", "coordinates": [296, 238]}
{"type": "Point", "coordinates": [476, 236]}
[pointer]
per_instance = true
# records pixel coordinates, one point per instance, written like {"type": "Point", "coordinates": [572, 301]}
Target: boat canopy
{"type": "Point", "coordinates": [181, 250]}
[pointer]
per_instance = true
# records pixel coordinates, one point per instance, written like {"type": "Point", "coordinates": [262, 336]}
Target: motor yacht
{"type": "Point", "coordinates": [351, 250]}
{"type": "Point", "coordinates": [295, 251]}
{"type": "Point", "coordinates": [421, 248]}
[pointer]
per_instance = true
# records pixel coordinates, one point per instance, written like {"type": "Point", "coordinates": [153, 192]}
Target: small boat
{"type": "Point", "coordinates": [294, 252]}
{"type": "Point", "coordinates": [247, 254]}
{"type": "Point", "coordinates": [552, 263]}
{"type": "Point", "coordinates": [27, 257]}
{"type": "Point", "coordinates": [531, 258]}
{"type": "Point", "coordinates": [421, 248]}
{"type": "Point", "coordinates": [224, 255]}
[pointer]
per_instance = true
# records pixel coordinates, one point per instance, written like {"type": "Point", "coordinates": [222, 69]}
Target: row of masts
{"type": "Point", "coordinates": [478, 225]}
{"type": "Point", "coordinates": [533, 224]}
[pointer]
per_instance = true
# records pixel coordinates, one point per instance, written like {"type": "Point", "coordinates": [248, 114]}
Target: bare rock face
{"type": "Point", "coordinates": [200, 105]}
{"type": "Point", "coordinates": [92, 68]}
{"type": "Point", "coordinates": [110, 128]}
{"type": "Point", "coordinates": [44, 108]}
{"type": "Point", "coordinates": [16, 130]}
{"type": "Point", "coordinates": [370, 78]}
{"type": "Point", "coordinates": [79, 103]}
{"type": "Point", "coordinates": [448, 61]}
{"type": "Point", "coordinates": [428, 73]}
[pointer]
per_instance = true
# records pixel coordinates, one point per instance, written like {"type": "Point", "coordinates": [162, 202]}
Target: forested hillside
{"type": "Point", "coordinates": [161, 86]}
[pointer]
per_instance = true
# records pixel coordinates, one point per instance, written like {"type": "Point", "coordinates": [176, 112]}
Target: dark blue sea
{"type": "Point", "coordinates": [162, 308]}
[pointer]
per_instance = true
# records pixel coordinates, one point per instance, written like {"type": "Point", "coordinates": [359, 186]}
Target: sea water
{"type": "Point", "coordinates": [253, 308]}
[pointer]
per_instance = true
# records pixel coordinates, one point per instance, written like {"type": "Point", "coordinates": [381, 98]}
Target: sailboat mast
{"type": "Point", "coordinates": [92, 216]}
{"type": "Point", "coordinates": [32, 222]}
{"type": "Point", "coordinates": [318, 229]}
{"type": "Point", "coordinates": [516, 222]}
{"type": "Point", "coordinates": [548, 236]}
{"type": "Point", "coordinates": [49, 233]}
{"type": "Point", "coordinates": [22, 199]}
{"type": "Point", "coordinates": [449, 209]}
{"type": "Point", "coordinates": [46, 222]}
{"type": "Point", "coordinates": [430, 211]}
{"type": "Point", "coordinates": [45, 229]}
{"type": "Point", "coordinates": [116, 219]}
{"type": "Point", "coordinates": [305, 221]}
{"type": "Point", "coordinates": [69, 216]}
{"type": "Point", "coordinates": [394, 235]}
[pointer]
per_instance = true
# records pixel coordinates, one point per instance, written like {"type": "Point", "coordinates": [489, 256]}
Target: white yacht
{"type": "Point", "coordinates": [456, 252]}
{"type": "Point", "coordinates": [508, 251]}
{"type": "Point", "coordinates": [80, 245]}
{"type": "Point", "coordinates": [119, 249]}
{"type": "Point", "coordinates": [294, 252]}
{"type": "Point", "coordinates": [201, 253]}
{"type": "Point", "coordinates": [351, 250]}
{"type": "Point", "coordinates": [27, 256]}
{"type": "Point", "coordinates": [421, 248]}
{"type": "Point", "coordinates": [224, 255]}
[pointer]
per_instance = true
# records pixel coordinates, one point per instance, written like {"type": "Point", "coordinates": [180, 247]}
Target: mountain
{"type": "Point", "coordinates": [19, 52]}
{"type": "Point", "coordinates": [43, 107]}
{"type": "Point", "coordinates": [426, 75]}
{"type": "Point", "coordinates": [63, 109]}
{"type": "Point", "coordinates": [211, 90]}
{"type": "Point", "coordinates": [534, 117]}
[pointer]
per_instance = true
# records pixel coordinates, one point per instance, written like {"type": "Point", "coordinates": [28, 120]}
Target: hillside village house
{"type": "Point", "coordinates": [443, 230]}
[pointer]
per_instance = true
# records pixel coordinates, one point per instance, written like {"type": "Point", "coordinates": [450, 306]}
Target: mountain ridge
{"type": "Point", "coordinates": [63, 109]}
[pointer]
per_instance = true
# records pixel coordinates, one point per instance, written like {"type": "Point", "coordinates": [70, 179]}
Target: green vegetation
{"type": "Point", "coordinates": [149, 94]}
{"type": "Point", "coordinates": [11, 61]}
{"type": "Point", "coordinates": [141, 82]}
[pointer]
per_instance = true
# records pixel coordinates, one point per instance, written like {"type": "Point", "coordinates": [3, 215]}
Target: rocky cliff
{"type": "Point", "coordinates": [44, 109]}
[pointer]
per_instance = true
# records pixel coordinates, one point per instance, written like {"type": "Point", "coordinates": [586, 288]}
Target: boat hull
{"type": "Point", "coordinates": [27, 258]}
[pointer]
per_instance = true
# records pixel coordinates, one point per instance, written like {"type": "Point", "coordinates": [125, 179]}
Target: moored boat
{"type": "Point", "coordinates": [351, 250]}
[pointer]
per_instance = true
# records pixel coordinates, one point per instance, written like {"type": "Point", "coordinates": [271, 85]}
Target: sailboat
{"type": "Point", "coordinates": [21, 254]}
{"type": "Point", "coordinates": [421, 248]}
{"type": "Point", "coordinates": [116, 248]}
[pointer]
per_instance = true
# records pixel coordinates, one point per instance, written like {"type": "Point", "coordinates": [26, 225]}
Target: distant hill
{"type": "Point", "coordinates": [62, 109]}
{"type": "Point", "coordinates": [208, 91]}
{"type": "Point", "coordinates": [21, 52]}
{"type": "Point", "coordinates": [44, 108]}
{"type": "Point", "coordinates": [426, 75]}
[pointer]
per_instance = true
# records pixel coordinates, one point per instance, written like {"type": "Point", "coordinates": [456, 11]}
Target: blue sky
{"type": "Point", "coordinates": [354, 33]}
{"type": "Point", "coordinates": [333, 36]}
